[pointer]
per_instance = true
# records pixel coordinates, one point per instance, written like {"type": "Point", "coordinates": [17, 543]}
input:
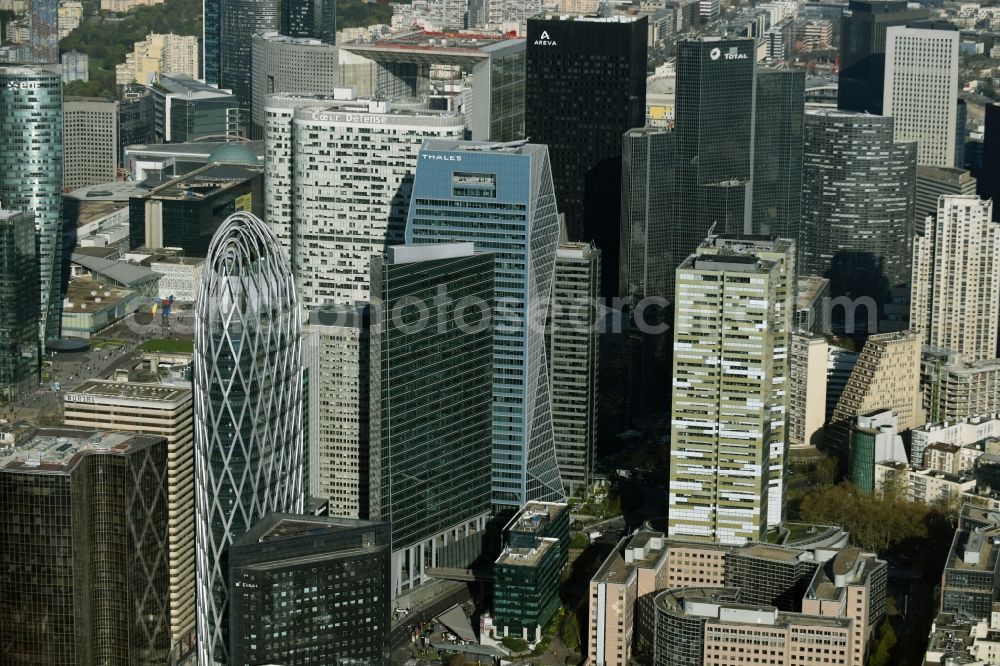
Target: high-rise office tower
{"type": "Point", "coordinates": [573, 361]}
{"type": "Point", "coordinates": [311, 591]}
{"type": "Point", "coordinates": [729, 404]}
{"type": "Point", "coordinates": [90, 141]}
{"type": "Point", "coordinates": [248, 407]}
{"type": "Point", "coordinates": [31, 164]}
{"type": "Point", "coordinates": [777, 151]}
{"type": "Point", "coordinates": [585, 87]}
{"type": "Point", "coordinates": [309, 19]}
{"type": "Point", "coordinates": [955, 298]}
{"type": "Point", "coordinates": [886, 376]}
{"type": "Point", "coordinates": [166, 411]}
{"type": "Point", "coordinates": [338, 182]}
{"type": "Point", "coordinates": [44, 31]}
{"type": "Point", "coordinates": [211, 22]}
{"type": "Point", "coordinates": [83, 549]}
{"type": "Point", "coordinates": [431, 348]}
{"type": "Point", "coordinates": [19, 360]}
{"type": "Point", "coordinates": [501, 197]}
{"type": "Point", "coordinates": [185, 109]}
{"type": "Point", "coordinates": [714, 127]}
{"type": "Point", "coordinates": [336, 346]}
{"type": "Point", "coordinates": [289, 64]}
{"type": "Point", "coordinates": [862, 51]}
{"type": "Point", "coordinates": [239, 21]}
{"type": "Point", "coordinates": [136, 123]}
{"type": "Point", "coordinates": [921, 88]}
{"type": "Point", "coordinates": [989, 174]}
{"type": "Point", "coordinates": [932, 183]}
{"type": "Point", "coordinates": [858, 190]}
{"type": "Point", "coordinates": [481, 76]}
{"type": "Point", "coordinates": [646, 245]}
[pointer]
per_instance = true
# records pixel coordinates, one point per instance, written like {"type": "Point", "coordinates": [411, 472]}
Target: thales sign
{"type": "Point", "coordinates": [732, 54]}
{"type": "Point", "coordinates": [544, 39]}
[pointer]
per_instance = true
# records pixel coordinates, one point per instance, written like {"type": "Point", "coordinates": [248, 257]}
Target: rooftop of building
{"type": "Point", "coordinates": [746, 245]}
{"type": "Point", "coordinates": [58, 450]}
{"type": "Point", "coordinates": [8, 214]}
{"type": "Point", "coordinates": [95, 100]}
{"type": "Point", "coordinates": [591, 18]}
{"type": "Point", "coordinates": [972, 548]}
{"type": "Point", "coordinates": [535, 516]}
{"type": "Point", "coordinates": [810, 289]}
{"type": "Point", "coordinates": [396, 255]}
{"type": "Point", "coordinates": [521, 147]}
{"type": "Point", "coordinates": [94, 390]}
{"type": "Point", "coordinates": [12, 433]}
{"type": "Point", "coordinates": [575, 250]}
{"type": "Point", "coordinates": [204, 182]}
{"type": "Point", "coordinates": [84, 294]}
{"type": "Point", "coordinates": [720, 605]}
{"type": "Point", "coordinates": [443, 48]}
{"type": "Point", "coordinates": [25, 70]}
{"type": "Point", "coordinates": [122, 272]}
{"type": "Point", "coordinates": [849, 566]}
{"type": "Point", "coordinates": [527, 557]}
{"type": "Point", "coordinates": [345, 107]}
{"type": "Point", "coordinates": [182, 84]}
{"type": "Point", "coordinates": [952, 638]}
{"type": "Point", "coordinates": [728, 263]}
{"type": "Point", "coordinates": [829, 112]}
{"type": "Point", "coordinates": [276, 526]}
{"type": "Point", "coordinates": [278, 38]}
{"type": "Point", "coordinates": [943, 173]}
{"type": "Point", "coordinates": [192, 149]}
{"type": "Point", "coordinates": [777, 553]}
{"type": "Point", "coordinates": [117, 191]}
{"type": "Point", "coordinates": [640, 551]}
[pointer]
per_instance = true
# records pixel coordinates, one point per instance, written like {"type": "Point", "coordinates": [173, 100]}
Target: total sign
{"type": "Point", "coordinates": [545, 39]}
{"type": "Point", "coordinates": [733, 53]}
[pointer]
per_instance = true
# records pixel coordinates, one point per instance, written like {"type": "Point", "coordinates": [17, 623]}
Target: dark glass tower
{"type": "Point", "coordinates": [310, 591]}
{"type": "Point", "coordinates": [240, 20]}
{"type": "Point", "coordinates": [862, 51]}
{"type": "Point", "coordinates": [714, 127]}
{"type": "Point", "coordinates": [777, 152]}
{"type": "Point", "coordinates": [84, 575]}
{"type": "Point", "coordinates": [211, 34]}
{"type": "Point", "coordinates": [858, 197]}
{"type": "Point", "coordinates": [18, 305]}
{"type": "Point", "coordinates": [309, 18]}
{"type": "Point", "coordinates": [989, 173]}
{"type": "Point", "coordinates": [431, 400]}
{"type": "Point", "coordinates": [585, 87]}
{"type": "Point", "coordinates": [135, 118]}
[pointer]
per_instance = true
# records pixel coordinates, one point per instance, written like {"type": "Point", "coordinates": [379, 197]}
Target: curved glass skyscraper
{"type": "Point", "coordinates": [31, 169]}
{"type": "Point", "coordinates": [248, 406]}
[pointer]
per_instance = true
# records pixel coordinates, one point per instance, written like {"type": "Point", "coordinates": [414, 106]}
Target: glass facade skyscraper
{"type": "Point", "coordinates": [777, 151]}
{"type": "Point", "coordinates": [31, 170]}
{"type": "Point", "coordinates": [211, 16]}
{"type": "Point", "coordinates": [585, 86]}
{"type": "Point", "coordinates": [83, 549]}
{"type": "Point", "coordinates": [19, 361]}
{"type": "Point", "coordinates": [858, 194]}
{"type": "Point", "coordinates": [714, 128]}
{"type": "Point", "coordinates": [240, 20]}
{"type": "Point", "coordinates": [310, 591]}
{"type": "Point", "coordinates": [501, 198]}
{"type": "Point", "coordinates": [862, 51]}
{"type": "Point", "coordinates": [248, 407]}
{"type": "Point", "coordinates": [430, 401]}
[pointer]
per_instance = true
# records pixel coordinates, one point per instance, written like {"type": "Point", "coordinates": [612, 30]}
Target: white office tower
{"type": "Point", "coordinates": [338, 176]}
{"type": "Point", "coordinates": [729, 398]}
{"type": "Point", "coordinates": [956, 278]}
{"type": "Point", "coordinates": [921, 88]}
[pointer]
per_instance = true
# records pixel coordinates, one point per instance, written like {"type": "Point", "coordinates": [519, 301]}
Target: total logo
{"type": "Point", "coordinates": [732, 54]}
{"type": "Point", "coordinates": [544, 39]}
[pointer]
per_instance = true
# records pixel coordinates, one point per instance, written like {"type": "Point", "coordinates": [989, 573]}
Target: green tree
{"type": "Point", "coordinates": [570, 631]}
{"type": "Point", "coordinates": [883, 646]}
